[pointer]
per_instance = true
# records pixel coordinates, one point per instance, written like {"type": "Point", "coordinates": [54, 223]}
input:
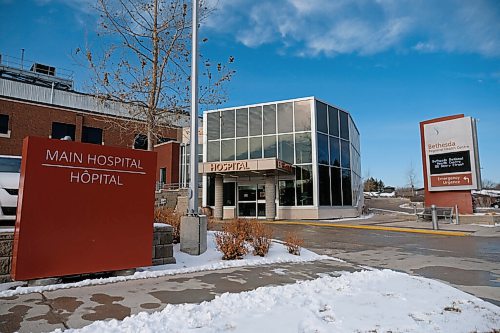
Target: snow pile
{"type": "Point", "coordinates": [388, 195]}
{"type": "Point", "coordinates": [210, 260]}
{"type": "Point", "coordinates": [491, 193]}
{"type": "Point", "coordinates": [367, 301]}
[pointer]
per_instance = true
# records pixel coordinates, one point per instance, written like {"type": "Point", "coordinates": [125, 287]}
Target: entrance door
{"type": "Point", "coordinates": [251, 200]}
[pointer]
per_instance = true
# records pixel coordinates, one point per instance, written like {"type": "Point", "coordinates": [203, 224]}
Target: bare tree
{"type": "Point", "coordinates": [411, 177]}
{"type": "Point", "coordinates": [144, 62]}
{"type": "Point", "coordinates": [489, 184]}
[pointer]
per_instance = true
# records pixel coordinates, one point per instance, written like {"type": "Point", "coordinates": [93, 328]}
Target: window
{"type": "Point", "coordinates": [163, 175]}
{"type": "Point", "coordinates": [344, 125]}
{"type": "Point", "coordinates": [255, 118]}
{"type": "Point", "coordinates": [285, 117]}
{"type": "Point", "coordinates": [163, 140]}
{"type": "Point", "coordinates": [304, 184]}
{"type": "Point", "coordinates": [287, 192]}
{"type": "Point", "coordinates": [346, 187]}
{"type": "Point", "coordinates": [302, 115]}
{"type": "Point", "coordinates": [334, 152]}
{"type": "Point", "coordinates": [211, 190]}
{"type": "Point", "coordinates": [269, 119]}
{"type": "Point", "coordinates": [213, 151]}
{"type": "Point", "coordinates": [227, 128]}
{"type": "Point", "coordinates": [92, 135]}
{"type": "Point", "coordinates": [213, 126]}
{"type": "Point", "coordinates": [227, 150]}
{"type": "Point", "coordinates": [324, 185]}
{"type": "Point", "coordinates": [61, 130]}
{"type": "Point", "coordinates": [345, 160]}
{"type": "Point", "coordinates": [241, 122]}
{"type": "Point", "coordinates": [336, 187]}
{"type": "Point", "coordinates": [269, 146]}
{"type": "Point", "coordinates": [256, 147]}
{"type": "Point", "coordinates": [285, 146]}
{"type": "Point", "coordinates": [303, 148]}
{"type": "Point", "coordinates": [4, 124]}
{"type": "Point", "coordinates": [242, 149]}
{"type": "Point", "coordinates": [141, 141]}
{"type": "Point", "coordinates": [323, 149]}
{"type": "Point", "coordinates": [333, 118]}
{"type": "Point", "coordinates": [321, 117]}
{"type": "Point", "coordinates": [228, 194]}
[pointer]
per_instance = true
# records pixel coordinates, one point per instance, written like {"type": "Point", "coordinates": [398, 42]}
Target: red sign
{"type": "Point", "coordinates": [82, 208]}
{"type": "Point", "coordinates": [458, 179]}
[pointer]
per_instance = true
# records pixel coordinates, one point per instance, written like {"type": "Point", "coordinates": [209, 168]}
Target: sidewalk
{"type": "Point", "coordinates": [78, 307]}
{"type": "Point", "coordinates": [402, 222]}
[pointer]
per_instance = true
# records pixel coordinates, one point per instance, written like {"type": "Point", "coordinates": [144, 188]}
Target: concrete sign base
{"type": "Point", "coordinates": [194, 234]}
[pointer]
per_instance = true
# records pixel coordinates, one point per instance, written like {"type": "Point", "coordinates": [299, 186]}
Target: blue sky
{"type": "Point", "coordinates": [391, 63]}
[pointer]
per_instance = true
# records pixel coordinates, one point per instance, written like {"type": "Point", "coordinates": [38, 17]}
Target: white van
{"type": "Point", "coordinates": [10, 168]}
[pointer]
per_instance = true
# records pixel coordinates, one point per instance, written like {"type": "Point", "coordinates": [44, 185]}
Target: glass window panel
{"type": "Point", "coordinates": [247, 209]}
{"type": "Point", "coordinates": [241, 122]}
{"type": "Point", "coordinates": [227, 124]}
{"type": "Point", "coordinates": [345, 159]}
{"type": "Point", "coordinates": [92, 135]}
{"type": "Point", "coordinates": [227, 150]}
{"type": "Point", "coordinates": [321, 117]}
{"type": "Point", "coordinates": [269, 119]}
{"type": "Point", "coordinates": [303, 148]}
{"type": "Point", "coordinates": [333, 118]}
{"type": "Point", "coordinates": [323, 153]}
{"type": "Point", "coordinates": [304, 183]}
{"type": "Point", "coordinates": [228, 194]}
{"type": "Point", "coordinates": [211, 190]}
{"type": "Point", "coordinates": [346, 187]}
{"type": "Point", "coordinates": [213, 151]}
{"type": "Point", "coordinates": [287, 192]}
{"type": "Point", "coordinates": [60, 130]}
{"type": "Point", "coordinates": [344, 125]}
{"type": "Point", "coordinates": [213, 126]}
{"type": "Point", "coordinates": [302, 118]}
{"type": "Point", "coordinates": [270, 146]}
{"type": "Point", "coordinates": [336, 187]}
{"type": "Point", "coordinates": [334, 152]}
{"type": "Point", "coordinates": [242, 149]}
{"type": "Point", "coordinates": [324, 185]}
{"type": "Point", "coordinates": [140, 141]}
{"type": "Point", "coordinates": [285, 117]}
{"type": "Point", "coordinates": [256, 147]}
{"type": "Point", "coordinates": [247, 193]}
{"type": "Point", "coordinates": [4, 123]}
{"type": "Point", "coordinates": [255, 118]}
{"type": "Point", "coordinates": [285, 148]}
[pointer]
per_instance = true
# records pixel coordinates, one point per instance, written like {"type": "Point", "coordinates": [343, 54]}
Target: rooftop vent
{"type": "Point", "coordinates": [43, 69]}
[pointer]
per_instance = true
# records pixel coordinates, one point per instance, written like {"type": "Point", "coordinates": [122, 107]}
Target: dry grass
{"type": "Point", "coordinates": [293, 243]}
{"type": "Point", "coordinates": [231, 241]}
{"type": "Point", "coordinates": [169, 216]}
{"type": "Point", "coordinates": [261, 236]}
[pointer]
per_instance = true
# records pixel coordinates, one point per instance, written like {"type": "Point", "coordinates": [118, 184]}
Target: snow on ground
{"type": "Point", "coordinates": [366, 301]}
{"type": "Point", "coordinates": [362, 217]}
{"type": "Point", "coordinates": [210, 260]}
{"type": "Point", "coordinates": [491, 193]}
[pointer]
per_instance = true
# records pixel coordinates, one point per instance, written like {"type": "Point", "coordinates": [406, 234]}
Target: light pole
{"type": "Point", "coordinates": [193, 226]}
{"type": "Point", "coordinates": [193, 159]}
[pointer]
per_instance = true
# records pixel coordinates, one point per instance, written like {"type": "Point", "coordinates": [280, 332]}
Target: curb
{"type": "Point", "coordinates": [368, 227]}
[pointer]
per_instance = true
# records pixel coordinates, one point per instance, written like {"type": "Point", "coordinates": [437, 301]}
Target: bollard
{"type": "Point", "coordinates": [456, 215]}
{"type": "Point", "coordinates": [434, 218]}
{"type": "Point", "coordinates": [414, 208]}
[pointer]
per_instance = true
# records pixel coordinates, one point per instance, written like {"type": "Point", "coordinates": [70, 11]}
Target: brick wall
{"type": "Point", "coordinates": [27, 118]}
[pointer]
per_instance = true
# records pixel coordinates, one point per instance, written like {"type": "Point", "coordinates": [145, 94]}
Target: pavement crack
{"type": "Point", "coordinates": [53, 312]}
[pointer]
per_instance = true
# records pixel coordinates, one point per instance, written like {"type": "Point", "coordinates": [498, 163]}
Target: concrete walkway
{"type": "Point", "coordinates": [78, 307]}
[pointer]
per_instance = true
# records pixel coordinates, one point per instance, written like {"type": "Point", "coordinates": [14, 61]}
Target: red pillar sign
{"type": "Point", "coordinates": [82, 208]}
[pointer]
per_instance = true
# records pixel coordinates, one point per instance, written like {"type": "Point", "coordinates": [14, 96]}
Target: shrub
{"type": "Point", "coordinates": [293, 243]}
{"type": "Point", "coordinates": [169, 216]}
{"type": "Point", "coordinates": [231, 241]}
{"type": "Point", "coordinates": [261, 235]}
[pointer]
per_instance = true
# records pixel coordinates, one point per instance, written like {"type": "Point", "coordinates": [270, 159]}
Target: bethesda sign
{"type": "Point", "coordinates": [451, 155]}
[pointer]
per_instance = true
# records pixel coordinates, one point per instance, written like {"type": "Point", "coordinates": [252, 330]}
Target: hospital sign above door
{"type": "Point", "coordinates": [264, 164]}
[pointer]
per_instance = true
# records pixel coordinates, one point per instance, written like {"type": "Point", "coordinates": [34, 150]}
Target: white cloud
{"type": "Point", "coordinates": [312, 27]}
